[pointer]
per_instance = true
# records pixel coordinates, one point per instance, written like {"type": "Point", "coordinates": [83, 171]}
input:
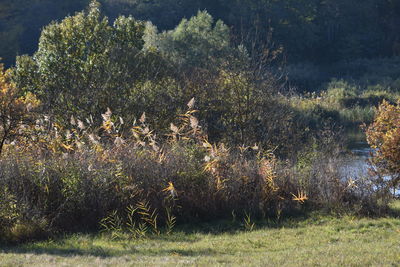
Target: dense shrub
{"type": "Point", "coordinates": [384, 136]}
{"type": "Point", "coordinates": [78, 184]}
{"type": "Point", "coordinates": [84, 65]}
{"type": "Point", "coordinates": [86, 177]}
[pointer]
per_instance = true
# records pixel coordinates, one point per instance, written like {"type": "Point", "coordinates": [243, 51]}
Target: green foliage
{"type": "Point", "coordinates": [197, 42]}
{"type": "Point", "coordinates": [348, 102]}
{"type": "Point", "coordinates": [248, 224]}
{"type": "Point", "coordinates": [82, 63]}
{"type": "Point", "coordinates": [170, 222]}
{"type": "Point", "coordinates": [138, 221]}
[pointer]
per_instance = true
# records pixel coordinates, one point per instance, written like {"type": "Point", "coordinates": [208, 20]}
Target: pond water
{"type": "Point", "coordinates": [356, 164]}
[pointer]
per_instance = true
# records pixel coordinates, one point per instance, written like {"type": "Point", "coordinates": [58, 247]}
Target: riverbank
{"type": "Point", "coordinates": [313, 241]}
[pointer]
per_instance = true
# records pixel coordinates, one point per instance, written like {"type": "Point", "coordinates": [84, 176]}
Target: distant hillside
{"type": "Point", "coordinates": [309, 30]}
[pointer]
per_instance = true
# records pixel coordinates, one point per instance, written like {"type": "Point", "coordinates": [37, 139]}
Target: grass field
{"type": "Point", "coordinates": [314, 241]}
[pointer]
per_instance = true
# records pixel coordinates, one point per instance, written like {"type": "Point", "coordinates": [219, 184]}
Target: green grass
{"type": "Point", "coordinates": [316, 241]}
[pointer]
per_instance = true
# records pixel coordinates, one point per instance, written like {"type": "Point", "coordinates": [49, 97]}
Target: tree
{"type": "Point", "coordinates": [15, 108]}
{"type": "Point", "coordinates": [384, 136]}
{"type": "Point", "coordinates": [83, 65]}
{"type": "Point", "coordinates": [197, 42]}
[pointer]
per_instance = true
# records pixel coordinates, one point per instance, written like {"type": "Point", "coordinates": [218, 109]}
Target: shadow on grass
{"type": "Point", "coordinates": [217, 227]}
{"type": "Point", "coordinates": [394, 209]}
{"type": "Point", "coordinates": [189, 252]}
{"type": "Point", "coordinates": [83, 244]}
{"type": "Point", "coordinates": [102, 252]}
{"type": "Point", "coordinates": [63, 252]}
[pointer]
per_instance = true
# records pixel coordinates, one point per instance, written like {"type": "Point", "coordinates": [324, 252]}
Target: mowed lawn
{"type": "Point", "coordinates": [319, 241]}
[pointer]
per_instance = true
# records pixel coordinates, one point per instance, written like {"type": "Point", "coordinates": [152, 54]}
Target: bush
{"type": "Point", "coordinates": [85, 65]}
{"type": "Point", "coordinates": [15, 109]}
{"type": "Point", "coordinates": [384, 136]}
{"type": "Point", "coordinates": [88, 177]}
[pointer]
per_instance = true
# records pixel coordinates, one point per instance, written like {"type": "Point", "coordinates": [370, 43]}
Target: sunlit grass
{"type": "Point", "coordinates": [347, 104]}
{"type": "Point", "coordinates": [318, 240]}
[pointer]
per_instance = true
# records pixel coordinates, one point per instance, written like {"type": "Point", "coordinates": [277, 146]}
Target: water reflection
{"type": "Point", "coordinates": [357, 165]}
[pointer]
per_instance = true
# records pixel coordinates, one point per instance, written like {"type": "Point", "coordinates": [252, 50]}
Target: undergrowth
{"type": "Point", "coordinates": [121, 179]}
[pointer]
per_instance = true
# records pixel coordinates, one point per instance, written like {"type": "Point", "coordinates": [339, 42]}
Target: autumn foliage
{"type": "Point", "coordinates": [15, 109]}
{"type": "Point", "coordinates": [384, 136]}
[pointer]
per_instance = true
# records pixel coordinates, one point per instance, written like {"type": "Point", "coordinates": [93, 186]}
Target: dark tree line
{"type": "Point", "coordinates": [321, 31]}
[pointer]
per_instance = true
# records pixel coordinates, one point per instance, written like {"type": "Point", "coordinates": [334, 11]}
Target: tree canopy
{"type": "Point", "coordinates": [82, 62]}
